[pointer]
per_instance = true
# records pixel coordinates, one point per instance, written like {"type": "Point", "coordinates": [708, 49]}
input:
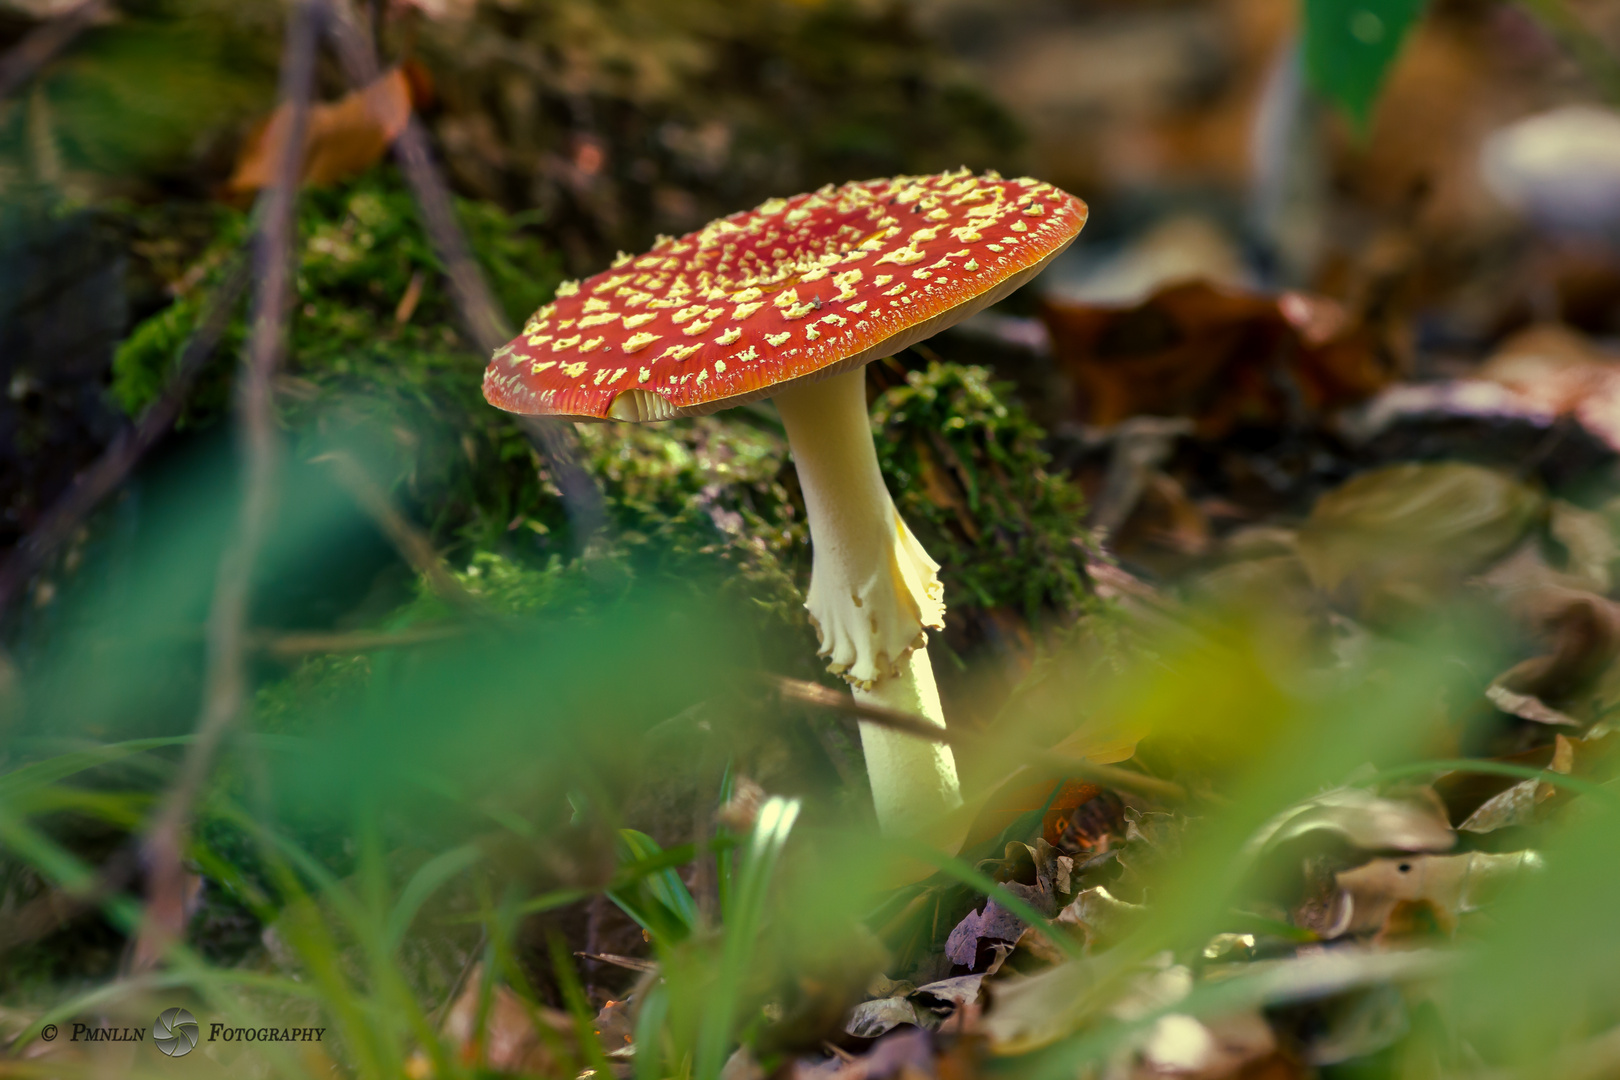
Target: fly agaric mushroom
{"type": "Point", "coordinates": [790, 300]}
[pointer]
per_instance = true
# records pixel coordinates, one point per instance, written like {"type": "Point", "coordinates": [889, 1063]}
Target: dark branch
{"type": "Point", "coordinates": [484, 322]}
{"type": "Point", "coordinates": [45, 43]}
{"type": "Point", "coordinates": [225, 688]}
{"type": "Point", "coordinates": [412, 544]}
{"type": "Point", "coordinates": [126, 451]}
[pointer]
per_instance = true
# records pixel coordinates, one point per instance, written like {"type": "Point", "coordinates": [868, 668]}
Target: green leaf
{"type": "Point", "coordinates": [1349, 45]}
{"type": "Point", "coordinates": [659, 901]}
{"type": "Point", "coordinates": [650, 1033]}
{"type": "Point", "coordinates": [423, 884]}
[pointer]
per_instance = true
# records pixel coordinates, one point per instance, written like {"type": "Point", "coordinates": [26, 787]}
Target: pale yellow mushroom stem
{"type": "Point", "coordinates": [873, 593]}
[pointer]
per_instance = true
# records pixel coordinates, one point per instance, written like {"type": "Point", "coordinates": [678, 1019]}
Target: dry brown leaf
{"type": "Point", "coordinates": [1465, 792]}
{"type": "Point", "coordinates": [1536, 376]}
{"type": "Point", "coordinates": [905, 1055]}
{"type": "Point", "coordinates": [1214, 353]}
{"type": "Point", "coordinates": [1449, 886]}
{"type": "Point", "coordinates": [926, 1006]}
{"type": "Point", "coordinates": [1550, 367]}
{"type": "Point", "coordinates": [509, 1041]}
{"type": "Point", "coordinates": [1037, 875]}
{"type": "Point", "coordinates": [344, 138]}
{"type": "Point", "coordinates": [1101, 916]}
{"type": "Point", "coordinates": [1518, 804]}
{"type": "Point", "coordinates": [1569, 685]}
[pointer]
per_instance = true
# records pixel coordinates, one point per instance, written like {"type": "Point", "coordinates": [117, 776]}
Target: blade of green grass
{"type": "Point", "coordinates": [423, 884]}
{"type": "Point", "coordinates": [40, 773]}
{"type": "Point", "coordinates": [756, 870]}
{"type": "Point", "coordinates": [649, 1033]}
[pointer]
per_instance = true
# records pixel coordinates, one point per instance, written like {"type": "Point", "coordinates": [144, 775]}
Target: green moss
{"type": "Point", "coordinates": [965, 464]}
{"type": "Point", "coordinates": [317, 684]}
{"type": "Point", "coordinates": [146, 359]}
{"type": "Point", "coordinates": [713, 492]}
{"type": "Point", "coordinates": [375, 358]}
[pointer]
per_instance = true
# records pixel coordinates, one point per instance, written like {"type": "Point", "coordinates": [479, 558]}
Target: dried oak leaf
{"type": "Point", "coordinates": [1101, 916]}
{"type": "Point", "coordinates": [343, 138]}
{"type": "Point", "coordinates": [1037, 875]}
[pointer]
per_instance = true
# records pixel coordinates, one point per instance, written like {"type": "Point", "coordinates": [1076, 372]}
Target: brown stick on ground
{"type": "Point", "coordinates": [485, 324]}
{"type": "Point", "coordinates": [126, 451]}
{"type": "Point", "coordinates": [225, 688]}
{"type": "Point", "coordinates": [45, 42]}
{"type": "Point", "coordinates": [295, 645]}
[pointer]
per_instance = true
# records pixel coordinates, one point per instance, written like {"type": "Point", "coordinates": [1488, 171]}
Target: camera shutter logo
{"type": "Point", "coordinates": [175, 1032]}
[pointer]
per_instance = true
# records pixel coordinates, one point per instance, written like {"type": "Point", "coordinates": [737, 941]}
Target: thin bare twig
{"type": "Point", "coordinates": [481, 315]}
{"type": "Point", "coordinates": [412, 543]}
{"type": "Point", "coordinates": [225, 688]}
{"type": "Point", "coordinates": [629, 963]}
{"type": "Point", "coordinates": [288, 646]}
{"type": "Point", "coordinates": [126, 451]}
{"type": "Point", "coordinates": [45, 43]}
{"type": "Point", "coordinates": [559, 445]}
{"type": "Point", "coordinates": [821, 697]}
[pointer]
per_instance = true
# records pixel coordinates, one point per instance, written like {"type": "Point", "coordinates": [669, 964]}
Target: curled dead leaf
{"type": "Point", "coordinates": [1101, 916]}
{"type": "Point", "coordinates": [926, 1006]}
{"type": "Point", "coordinates": [1364, 820]}
{"type": "Point", "coordinates": [1573, 683]}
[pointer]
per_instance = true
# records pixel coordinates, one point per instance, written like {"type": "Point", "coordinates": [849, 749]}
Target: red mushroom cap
{"type": "Point", "coordinates": [796, 288]}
